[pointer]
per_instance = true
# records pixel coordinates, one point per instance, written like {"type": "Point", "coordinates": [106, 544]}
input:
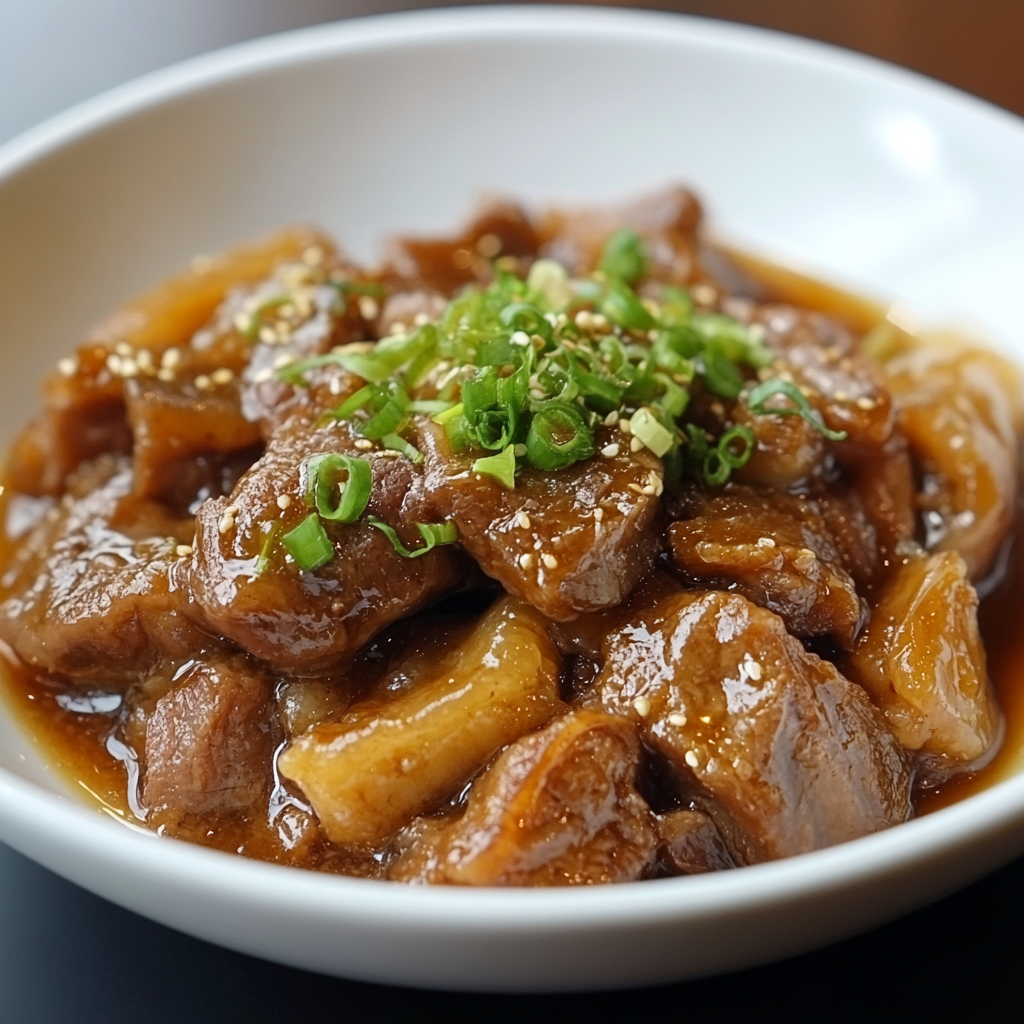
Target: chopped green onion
{"type": "Point", "coordinates": [550, 279]}
{"type": "Point", "coordinates": [622, 307]}
{"type": "Point", "coordinates": [758, 398]}
{"type": "Point", "coordinates": [374, 288]}
{"type": "Point", "coordinates": [449, 414]}
{"type": "Point", "coordinates": [526, 317]}
{"type": "Point", "coordinates": [430, 405]}
{"type": "Point", "coordinates": [644, 425]}
{"type": "Point", "coordinates": [337, 500]}
{"type": "Point", "coordinates": [399, 444]}
{"type": "Point", "coordinates": [253, 325]}
{"type": "Point", "coordinates": [502, 467]}
{"type": "Point", "coordinates": [355, 402]}
{"type": "Point", "coordinates": [264, 556]}
{"type": "Point", "coordinates": [721, 376]}
{"type": "Point", "coordinates": [558, 437]}
{"type": "Point", "coordinates": [623, 256]}
{"type": "Point", "coordinates": [309, 544]}
{"type": "Point", "coordinates": [433, 534]}
{"type": "Point", "coordinates": [389, 415]}
{"type": "Point", "coordinates": [292, 373]}
{"type": "Point", "coordinates": [737, 460]}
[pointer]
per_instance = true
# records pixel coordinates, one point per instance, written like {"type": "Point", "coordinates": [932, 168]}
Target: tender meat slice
{"type": "Point", "coordinates": [306, 622]}
{"type": "Point", "coordinates": [567, 542]}
{"type": "Point", "coordinates": [88, 593]}
{"type": "Point", "coordinates": [84, 413]}
{"type": "Point", "coordinates": [960, 409]}
{"type": "Point", "coordinates": [209, 740]}
{"type": "Point", "coordinates": [557, 807]}
{"type": "Point", "coordinates": [667, 221]}
{"type": "Point", "coordinates": [174, 422]}
{"type": "Point", "coordinates": [820, 355]}
{"type": "Point", "coordinates": [775, 550]}
{"type": "Point", "coordinates": [394, 756]}
{"type": "Point", "coordinates": [789, 454]}
{"type": "Point", "coordinates": [445, 265]}
{"type": "Point", "coordinates": [784, 753]}
{"type": "Point", "coordinates": [691, 843]}
{"type": "Point", "coordinates": [923, 662]}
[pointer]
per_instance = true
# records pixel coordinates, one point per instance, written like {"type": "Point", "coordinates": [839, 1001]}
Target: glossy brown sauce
{"type": "Point", "coordinates": [77, 737]}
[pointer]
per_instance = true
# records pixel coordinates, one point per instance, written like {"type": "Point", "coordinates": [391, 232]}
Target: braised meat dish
{"type": "Point", "coordinates": [563, 551]}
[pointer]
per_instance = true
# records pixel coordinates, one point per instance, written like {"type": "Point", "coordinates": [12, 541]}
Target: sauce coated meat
{"type": "Point", "coordinates": [564, 551]}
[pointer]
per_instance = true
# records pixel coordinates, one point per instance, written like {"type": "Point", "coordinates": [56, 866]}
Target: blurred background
{"type": "Point", "coordinates": [54, 53]}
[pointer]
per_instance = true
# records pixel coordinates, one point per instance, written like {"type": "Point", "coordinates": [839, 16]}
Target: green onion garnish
{"type": "Point", "coordinates": [264, 556]}
{"type": "Point", "coordinates": [338, 498]}
{"type": "Point", "coordinates": [758, 398]}
{"type": "Point", "coordinates": [720, 461]}
{"type": "Point", "coordinates": [622, 307]}
{"type": "Point", "coordinates": [502, 467]}
{"type": "Point", "coordinates": [399, 444]}
{"type": "Point", "coordinates": [309, 544]}
{"type": "Point", "coordinates": [623, 256]}
{"type": "Point", "coordinates": [449, 414]}
{"type": "Point", "coordinates": [429, 406]}
{"type": "Point", "coordinates": [433, 534]}
{"type": "Point", "coordinates": [392, 404]}
{"type": "Point", "coordinates": [644, 425]}
{"type": "Point", "coordinates": [558, 437]}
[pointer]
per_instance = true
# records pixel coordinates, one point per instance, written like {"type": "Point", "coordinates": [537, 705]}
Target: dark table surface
{"type": "Point", "coordinates": [67, 957]}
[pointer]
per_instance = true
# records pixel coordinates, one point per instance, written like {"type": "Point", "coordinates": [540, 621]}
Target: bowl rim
{"type": "Point", "coordinates": [29, 809]}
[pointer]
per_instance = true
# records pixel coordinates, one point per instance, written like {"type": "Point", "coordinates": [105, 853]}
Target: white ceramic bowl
{"type": "Point", "coordinates": [869, 174]}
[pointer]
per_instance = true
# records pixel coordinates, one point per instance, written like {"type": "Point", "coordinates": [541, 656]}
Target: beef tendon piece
{"type": "Point", "coordinates": [923, 662]}
{"type": "Point", "coordinates": [245, 587]}
{"type": "Point", "coordinates": [88, 593]}
{"type": "Point", "coordinates": [691, 843]}
{"type": "Point", "coordinates": [209, 740]}
{"type": "Point", "coordinates": [557, 807]}
{"type": "Point", "coordinates": [84, 410]}
{"type": "Point", "coordinates": [567, 542]}
{"type": "Point", "coordinates": [395, 756]}
{"type": "Point", "coordinates": [776, 551]}
{"type": "Point", "coordinates": [784, 753]}
{"type": "Point", "coordinates": [960, 410]}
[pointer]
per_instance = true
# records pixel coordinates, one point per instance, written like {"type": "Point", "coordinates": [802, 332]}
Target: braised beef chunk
{"type": "Point", "coordinates": [84, 414]}
{"type": "Point", "coordinates": [775, 550]}
{"type": "Point", "coordinates": [785, 754]}
{"type": "Point", "coordinates": [88, 594]}
{"type": "Point", "coordinates": [557, 808]}
{"type": "Point", "coordinates": [445, 265]}
{"type": "Point", "coordinates": [306, 622]}
{"type": "Point", "coordinates": [922, 661]}
{"type": "Point", "coordinates": [208, 740]}
{"type": "Point", "coordinates": [566, 550]}
{"type": "Point", "coordinates": [691, 844]}
{"type": "Point", "coordinates": [567, 542]}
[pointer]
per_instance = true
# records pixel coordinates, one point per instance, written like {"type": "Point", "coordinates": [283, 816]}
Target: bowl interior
{"type": "Point", "coordinates": [865, 174]}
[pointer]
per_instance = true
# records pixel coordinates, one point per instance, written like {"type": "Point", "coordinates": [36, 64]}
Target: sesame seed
{"type": "Point", "coordinates": [610, 450]}
{"type": "Point", "coordinates": [754, 670]}
{"type": "Point", "coordinates": [421, 319]}
{"type": "Point", "coordinates": [231, 510]}
{"type": "Point", "coordinates": [635, 444]}
{"type": "Point", "coordinates": [129, 368]}
{"type": "Point", "coordinates": [866, 403]}
{"type": "Point", "coordinates": [519, 451]}
{"type": "Point", "coordinates": [706, 719]}
{"type": "Point", "coordinates": [283, 501]}
{"type": "Point", "coordinates": [364, 444]}
{"type": "Point", "coordinates": [550, 562]}
{"type": "Point", "coordinates": [647, 489]}
{"type": "Point", "coordinates": [262, 376]}
{"type": "Point", "coordinates": [268, 335]}
{"type": "Point", "coordinates": [183, 550]}
{"type": "Point", "coordinates": [203, 382]}
{"type": "Point", "coordinates": [611, 419]}
{"type": "Point", "coordinates": [368, 308]}
{"type": "Point", "coordinates": [765, 542]}
{"type": "Point", "coordinates": [171, 358]}
{"type": "Point", "coordinates": [114, 363]}
{"type": "Point", "coordinates": [957, 441]}
{"type": "Point", "coordinates": [242, 323]}
{"type": "Point", "coordinates": [704, 294]}
{"type": "Point", "coordinates": [691, 759]}
{"type": "Point", "coordinates": [522, 520]}
{"type": "Point", "coordinates": [625, 427]}
{"type": "Point", "coordinates": [144, 358]}
{"type": "Point", "coordinates": [600, 321]}
{"type": "Point", "coordinates": [164, 374]}
{"type": "Point", "coordinates": [718, 409]}
{"type": "Point", "coordinates": [67, 366]}
{"type": "Point", "coordinates": [122, 348]}
{"type": "Point", "coordinates": [636, 488]}
{"type": "Point", "coordinates": [227, 522]}
{"type": "Point", "coordinates": [489, 245]}
{"type": "Point", "coordinates": [677, 720]}
{"type": "Point", "coordinates": [283, 360]}
{"type": "Point", "coordinates": [642, 706]}
{"type": "Point", "coordinates": [599, 514]}
{"type": "Point", "coordinates": [398, 328]}
{"type": "Point", "coordinates": [525, 561]}
{"type": "Point", "coordinates": [222, 376]}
